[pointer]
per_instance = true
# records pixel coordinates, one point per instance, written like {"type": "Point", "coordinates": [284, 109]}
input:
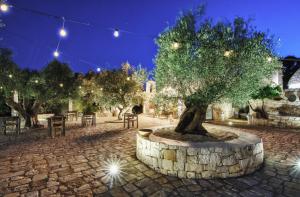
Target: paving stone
{"type": "Point", "coordinates": [74, 166]}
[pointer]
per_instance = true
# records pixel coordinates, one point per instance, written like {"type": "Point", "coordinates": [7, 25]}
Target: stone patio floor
{"type": "Point", "coordinates": [35, 165]}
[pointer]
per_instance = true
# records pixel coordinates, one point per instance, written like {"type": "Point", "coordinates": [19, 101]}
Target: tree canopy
{"type": "Point", "coordinates": [208, 62]}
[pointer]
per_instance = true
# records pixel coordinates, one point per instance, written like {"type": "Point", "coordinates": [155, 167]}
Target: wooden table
{"type": "Point", "coordinates": [130, 118]}
{"type": "Point", "coordinates": [56, 123]}
{"type": "Point", "coordinates": [11, 121]}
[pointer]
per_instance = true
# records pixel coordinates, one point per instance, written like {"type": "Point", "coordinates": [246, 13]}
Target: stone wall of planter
{"type": "Point", "coordinates": [205, 160]}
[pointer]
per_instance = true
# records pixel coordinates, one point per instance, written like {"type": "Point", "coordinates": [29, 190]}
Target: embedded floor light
{"type": "Point", "coordinates": [113, 169]}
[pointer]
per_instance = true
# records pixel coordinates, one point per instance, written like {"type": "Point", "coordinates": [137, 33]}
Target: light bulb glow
{"type": "Point", "coordinates": [98, 69]}
{"type": "Point", "coordinates": [4, 7]}
{"type": "Point", "coordinates": [63, 32]}
{"type": "Point", "coordinates": [116, 33]}
{"type": "Point", "coordinates": [269, 59]}
{"type": "Point", "coordinates": [10, 76]}
{"type": "Point", "coordinates": [56, 54]}
{"type": "Point", "coordinates": [230, 123]}
{"type": "Point", "coordinates": [113, 170]}
{"type": "Point", "coordinates": [128, 78]}
{"type": "Point", "coordinates": [61, 85]}
{"type": "Point", "coordinates": [36, 81]}
{"type": "Point", "coordinates": [175, 45]}
{"type": "Point", "coordinates": [228, 53]}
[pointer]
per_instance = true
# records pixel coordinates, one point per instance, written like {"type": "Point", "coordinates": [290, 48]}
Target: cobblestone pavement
{"type": "Point", "coordinates": [33, 165]}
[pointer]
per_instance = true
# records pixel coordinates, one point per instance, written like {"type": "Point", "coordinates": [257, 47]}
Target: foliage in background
{"type": "Point", "coordinates": [208, 62]}
{"type": "Point", "coordinates": [266, 92]}
{"type": "Point", "coordinates": [123, 87]}
{"type": "Point", "coordinates": [52, 86]}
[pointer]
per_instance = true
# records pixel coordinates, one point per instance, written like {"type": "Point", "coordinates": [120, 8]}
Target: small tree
{"type": "Point", "coordinates": [266, 92]}
{"type": "Point", "coordinates": [207, 63]}
{"type": "Point", "coordinates": [122, 87]}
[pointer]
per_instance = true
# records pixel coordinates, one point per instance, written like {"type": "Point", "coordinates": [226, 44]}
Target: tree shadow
{"type": "Point", "coordinates": [105, 135]}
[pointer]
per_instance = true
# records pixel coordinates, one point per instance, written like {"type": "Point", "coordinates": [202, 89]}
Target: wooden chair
{"type": "Point", "coordinates": [56, 126]}
{"type": "Point", "coordinates": [88, 120]}
{"type": "Point", "coordinates": [130, 118]}
{"type": "Point", "coordinates": [11, 122]}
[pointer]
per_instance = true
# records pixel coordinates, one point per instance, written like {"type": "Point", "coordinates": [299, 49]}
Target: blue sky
{"type": "Point", "coordinates": [33, 38]}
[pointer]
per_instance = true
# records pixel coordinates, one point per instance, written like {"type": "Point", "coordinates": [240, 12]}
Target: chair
{"type": "Point", "coordinates": [56, 125]}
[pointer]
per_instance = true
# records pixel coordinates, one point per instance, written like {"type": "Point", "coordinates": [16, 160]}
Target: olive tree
{"type": "Point", "coordinates": [52, 86]}
{"type": "Point", "coordinates": [206, 62]}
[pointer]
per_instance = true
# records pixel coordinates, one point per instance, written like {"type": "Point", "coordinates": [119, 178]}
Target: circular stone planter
{"type": "Point", "coordinates": [184, 159]}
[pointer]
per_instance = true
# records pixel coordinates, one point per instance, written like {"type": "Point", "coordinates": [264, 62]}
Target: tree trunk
{"type": "Point", "coordinates": [191, 120]}
{"type": "Point", "coordinates": [120, 113]}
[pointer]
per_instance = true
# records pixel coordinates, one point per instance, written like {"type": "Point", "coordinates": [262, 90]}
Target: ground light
{"type": "Point", "coordinates": [295, 166]}
{"type": "Point", "coordinates": [113, 170]}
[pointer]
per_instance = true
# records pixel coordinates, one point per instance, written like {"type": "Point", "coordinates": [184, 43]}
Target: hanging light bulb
{"type": "Point", "coordinates": [4, 7]}
{"type": "Point", "coordinates": [56, 54]}
{"type": "Point", "coordinates": [175, 45]}
{"type": "Point", "coordinates": [63, 32]}
{"type": "Point", "coordinates": [269, 59]}
{"type": "Point", "coordinates": [116, 33]}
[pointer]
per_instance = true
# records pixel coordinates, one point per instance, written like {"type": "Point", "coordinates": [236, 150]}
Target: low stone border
{"type": "Point", "coordinates": [201, 160]}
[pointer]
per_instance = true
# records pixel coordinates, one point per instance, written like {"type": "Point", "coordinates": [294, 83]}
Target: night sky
{"type": "Point", "coordinates": [33, 38]}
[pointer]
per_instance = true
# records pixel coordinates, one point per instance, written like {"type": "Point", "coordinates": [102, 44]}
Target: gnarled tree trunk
{"type": "Point", "coordinates": [191, 120]}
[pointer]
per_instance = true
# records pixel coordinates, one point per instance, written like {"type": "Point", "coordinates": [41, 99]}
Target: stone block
{"type": "Point", "coordinates": [215, 158]}
{"type": "Point", "coordinates": [191, 175]}
{"type": "Point", "coordinates": [181, 155]}
{"type": "Point", "coordinates": [169, 155]}
{"type": "Point", "coordinates": [203, 159]}
{"type": "Point", "coordinates": [205, 151]}
{"type": "Point", "coordinates": [192, 151]}
{"type": "Point", "coordinates": [192, 159]}
{"type": "Point", "coordinates": [179, 165]}
{"type": "Point", "coordinates": [234, 169]}
{"type": "Point", "coordinates": [181, 174]}
{"type": "Point", "coordinates": [228, 161]}
{"type": "Point", "coordinates": [167, 164]}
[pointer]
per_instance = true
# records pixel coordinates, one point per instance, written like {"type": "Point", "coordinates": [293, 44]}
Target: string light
{"type": "Point", "coordinates": [116, 33]}
{"type": "Point", "coordinates": [4, 7]}
{"type": "Point", "coordinates": [128, 78]}
{"type": "Point", "coordinates": [36, 81]}
{"type": "Point", "coordinates": [61, 85]}
{"type": "Point", "coordinates": [269, 59]}
{"type": "Point", "coordinates": [62, 32]}
{"type": "Point", "coordinates": [1, 87]}
{"type": "Point", "coordinates": [56, 54]}
{"type": "Point", "coordinates": [175, 45]}
{"type": "Point", "coordinates": [228, 53]}
{"type": "Point", "coordinates": [10, 76]}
